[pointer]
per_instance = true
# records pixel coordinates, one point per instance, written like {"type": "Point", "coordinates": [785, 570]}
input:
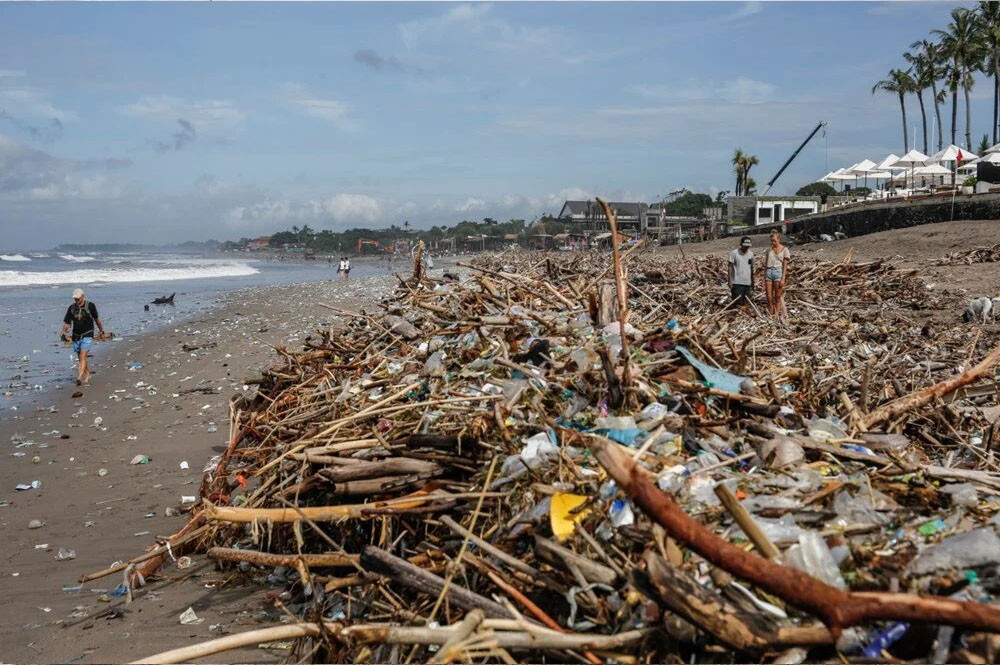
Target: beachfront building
{"type": "Point", "coordinates": [589, 217]}
{"type": "Point", "coordinates": [259, 244]}
{"type": "Point", "coordinates": [765, 210]}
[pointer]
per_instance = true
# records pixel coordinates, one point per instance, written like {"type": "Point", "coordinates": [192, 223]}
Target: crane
{"type": "Point", "coordinates": [822, 123]}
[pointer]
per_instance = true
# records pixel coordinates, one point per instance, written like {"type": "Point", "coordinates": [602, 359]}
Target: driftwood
{"type": "Point", "coordinates": [836, 608]}
{"type": "Point", "coordinates": [740, 630]}
{"type": "Point", "coordinates": [402, 571]}
{"type": "Point", "coordinates": [894, 409]}
{"type": "Point", "coordinates": [507, 634]}
{"type": "Point", "coordinates": [289, 560]}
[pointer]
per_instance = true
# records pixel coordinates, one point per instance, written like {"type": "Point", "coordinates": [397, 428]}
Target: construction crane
{"type": "Point", "coordinates": [822, 123]}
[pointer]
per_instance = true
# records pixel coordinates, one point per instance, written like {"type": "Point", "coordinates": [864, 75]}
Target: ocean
{"type": "Point", "coordinates": [36, 288]}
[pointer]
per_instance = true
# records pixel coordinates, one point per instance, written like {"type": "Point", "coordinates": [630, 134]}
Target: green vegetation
{"type": "Point", "coordinates": [742, 163]}
{"type": "Point", "coordinates": [816, 189]}
{"type": "Point", "coordinates": [967, 45]}
{"type": "Point", "coordinates": [688, 204]}
{"type": "Point", "coordinates": [346, 242]}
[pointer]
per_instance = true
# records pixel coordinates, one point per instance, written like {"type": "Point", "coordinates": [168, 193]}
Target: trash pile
{"type": "Point", "coordinates": [499, 467]}
{"type": "Point", "coordinates": [968, 257]}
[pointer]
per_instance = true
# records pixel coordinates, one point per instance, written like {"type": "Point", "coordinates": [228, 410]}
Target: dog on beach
{"type": "Point", "coordinates": [980, 309]}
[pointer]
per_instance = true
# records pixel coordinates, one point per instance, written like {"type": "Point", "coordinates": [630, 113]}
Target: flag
{"type": "Point", "coordinates": [959, 158]}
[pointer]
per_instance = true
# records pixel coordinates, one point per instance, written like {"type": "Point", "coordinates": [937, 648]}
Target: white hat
{"type": "Point", "coordinates": [78, 293]}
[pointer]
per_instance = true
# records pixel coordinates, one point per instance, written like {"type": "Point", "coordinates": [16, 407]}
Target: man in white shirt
{"type": "Point", "coordinates": [741, 274]}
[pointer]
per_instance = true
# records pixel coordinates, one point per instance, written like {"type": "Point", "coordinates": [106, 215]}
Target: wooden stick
{"type": "Point", "coordinates": [915, 400]}
{"type": "Point", "coordinates": [288, 560]}
{"type": "Point", "coordinates": [513, 636]}
{"type": "Point", "coordinates": [448, 652]}
{"type": "Point", "coordinates": [746, 522]}
{"type": "Point", "coordinates": [379, 561]}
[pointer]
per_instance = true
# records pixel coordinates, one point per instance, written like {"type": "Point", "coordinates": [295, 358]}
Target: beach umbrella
{"type": "Point", "coordinates": [932, 171]}
{"type": "Point", "coordinates": [864, 167]}
{"type": "Point", "coordinates": [911, 160]}
{"type": "Point", "coordinates": [992, 148]}
{"type": "Point", "coordinates": [950, 154]}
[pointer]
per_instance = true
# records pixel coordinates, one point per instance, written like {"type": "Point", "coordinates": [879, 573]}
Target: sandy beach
{"type": "Point", "coordinates": [173, 409]}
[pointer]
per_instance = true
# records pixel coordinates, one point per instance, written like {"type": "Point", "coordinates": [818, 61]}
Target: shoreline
{"type": "Point", "coordinates": [165, 410]}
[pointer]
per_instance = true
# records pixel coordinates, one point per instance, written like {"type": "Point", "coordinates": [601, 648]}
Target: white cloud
{"type": "Point", "coordinates": [471, 204]}
{"type": "Point", "coordinates": [336, 209]}
{"type": "Point", "coordinates": [11, 73]}
{"type": "Point", "coordinates": [168, 109]}
{"type": "Point", "coordinates": [27, 174]}
{"type": "Point", "coordinates": [334, 111]}
{"type": "Point", "coordinates": [468, 14]}
{"type": "Point", "coordinates": [27, 101]}
{"type": "Point", "coordinates": [742, 90]}
{"type": "Point", "coordinates": [748, 9]}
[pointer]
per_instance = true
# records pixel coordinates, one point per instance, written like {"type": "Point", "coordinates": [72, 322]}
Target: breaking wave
{"type": "Point", "coordinates": [77, 259]}
{"type": "Point", "coordinates": [120, 275]}
{"type": "Point", "coordinates": [13, 257]}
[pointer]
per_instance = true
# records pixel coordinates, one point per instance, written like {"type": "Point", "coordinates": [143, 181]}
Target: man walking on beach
{"type": "Point", "coordinates": [82, 316]}
{"type": "Point", "coordinates": [741, 274]}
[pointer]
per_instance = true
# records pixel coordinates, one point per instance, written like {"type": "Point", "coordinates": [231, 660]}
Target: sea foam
{"type": "Point", "coordinates": [121, 275]}
{"type": "Point", "coordinates": [13, 257]}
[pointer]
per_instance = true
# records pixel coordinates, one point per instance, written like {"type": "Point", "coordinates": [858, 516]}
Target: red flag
{"type": "Point", "coordinates": [959, 157]}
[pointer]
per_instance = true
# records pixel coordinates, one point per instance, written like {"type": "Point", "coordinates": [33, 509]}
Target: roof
{"type": "Point", "coordinates": [631, 208]}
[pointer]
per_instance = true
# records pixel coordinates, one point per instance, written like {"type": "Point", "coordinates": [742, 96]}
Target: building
{"type": "Point", "coordinates": [631, 217]}
{"type": "Point", "coordinates": [259, 244]}
{"type": "Point", "coordinates": [764, 210]}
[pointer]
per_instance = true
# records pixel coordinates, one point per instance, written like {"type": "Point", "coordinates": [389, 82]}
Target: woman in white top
{"type": "Point", "coordinates": [775, 274]}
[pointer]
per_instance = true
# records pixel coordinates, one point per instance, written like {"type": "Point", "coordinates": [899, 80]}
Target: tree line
{"type": "Point", "coordinates": [946, 63]}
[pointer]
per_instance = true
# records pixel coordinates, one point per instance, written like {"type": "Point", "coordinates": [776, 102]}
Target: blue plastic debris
{"type": "Point", "coordinates": [719, 378]}
{"type": "Point", "coordinates": [884, 640]}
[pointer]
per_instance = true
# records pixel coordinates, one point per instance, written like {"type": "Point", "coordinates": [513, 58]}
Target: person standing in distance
{"type": "Point", "coordinates": [82, 316]}
{"type": "Point", "coordinates": [741, 274]}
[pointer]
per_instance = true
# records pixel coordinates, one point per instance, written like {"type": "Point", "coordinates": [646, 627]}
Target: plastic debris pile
{"type": "Point", "coordinates": [487, 470]}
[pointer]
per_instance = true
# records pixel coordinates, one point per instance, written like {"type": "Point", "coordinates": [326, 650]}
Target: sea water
{"type": "Point", "coordinates": [36, 289]}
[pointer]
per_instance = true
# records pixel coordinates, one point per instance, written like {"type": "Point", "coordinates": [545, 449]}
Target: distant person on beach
{"type": "Point", "coordinates": [775, 274]}
{"type": "Point", "coordinates": [82, 316]}
{"type": "Point", "coordinates": [741, 274]}
{"type": "Point", "coordinates": [345, 267]}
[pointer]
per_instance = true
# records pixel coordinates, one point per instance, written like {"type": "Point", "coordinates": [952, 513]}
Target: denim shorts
{"type": "Point", "coordinates": [773, 274]}
{"type": "Point", "coordinates": [83, 344]}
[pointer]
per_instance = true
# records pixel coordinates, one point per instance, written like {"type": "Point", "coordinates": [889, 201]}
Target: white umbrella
{"type": "Point", "coordinates": [992, 148]}
{"type": "Point", "coordinates": [987, 158]}
{"type": "Point", "coordinates": [864, 167]}
{"type": "Point", "coordinates": [912, 159]}
{"type": "Point", "coordinates": [950, 154]}
{"type": "Point", "coordinates": [887, 163]}
{"type": "Point", "coordinates": [931, 171]}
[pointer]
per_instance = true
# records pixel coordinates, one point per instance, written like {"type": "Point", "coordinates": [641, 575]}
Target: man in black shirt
{"type": "Point", "coordinates": [82, 316]}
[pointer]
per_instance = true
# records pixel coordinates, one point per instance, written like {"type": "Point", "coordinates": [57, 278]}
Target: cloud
{"type": "Point", "coordinates": [337, 209]}
{"type": "Point", "coordinates": [471, 204]}
{"type": "Point", "coordinates": [748, 9]}
{"type": "Point", "coordinates": [11, 73]}
{"type": "Point", "coordinates": [414, 31]}
{"type": "Point", "coordinates": [29, 174]}
{"type": "Point", "coordinates": [166, 109]}
{"type": "Point", "coordinates": [742, 90]}
{"type": "Point", "coordinates": [46, 132]}
{"type": "Point", "coordinates": [334, 111]}
{"type": "Point", "coordinates": [377, 61]}
{"type": "Point", "coordinates": [179, 139]}
{"type": "Point", "coordinates": [26, 101]}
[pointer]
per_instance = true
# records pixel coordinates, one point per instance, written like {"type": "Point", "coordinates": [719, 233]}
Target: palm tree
{"type": "Point", "coordinates": [749, 161]}
{"type": "Point", "coordinates": [989, 28]}
{"type": "Point", "coordinates": [900, 83]}
{"type": "Point", "coordinates": [961, 41]}
{"type": "Point", "coordinates": [921, 73]}
{"type": "Point", "coordinates": [934, 59]}
{"type": "Point", "coordinates": [737, 162]}
{"type": "Point", "coordinates": [984, 145]}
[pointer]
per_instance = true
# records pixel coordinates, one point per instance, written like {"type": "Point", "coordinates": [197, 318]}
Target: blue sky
{"type": "Point", "coordinates": [166, 121]}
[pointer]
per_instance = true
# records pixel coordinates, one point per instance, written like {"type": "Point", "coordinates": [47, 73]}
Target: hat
{"type": "Point", "coordinates": [745, 242]}
{"type": "Point", "coordinates": [78, 293]}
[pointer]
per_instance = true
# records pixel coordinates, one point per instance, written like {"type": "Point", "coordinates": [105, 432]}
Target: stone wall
{"type": "Point", "coordinates": [875, 217]}
{"type": "Point", "coordinates": [739, 209]}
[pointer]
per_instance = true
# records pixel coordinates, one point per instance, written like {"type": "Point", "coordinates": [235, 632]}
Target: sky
{"type": "Point", "coordinates": [161, 122]}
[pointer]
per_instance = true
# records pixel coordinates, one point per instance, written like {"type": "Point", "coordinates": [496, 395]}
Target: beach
{"type": "Point", "coordinates": [174, 410]}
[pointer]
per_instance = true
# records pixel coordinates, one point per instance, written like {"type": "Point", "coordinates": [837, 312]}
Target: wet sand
{"type": "Point", "coordinates": [164, 410]}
